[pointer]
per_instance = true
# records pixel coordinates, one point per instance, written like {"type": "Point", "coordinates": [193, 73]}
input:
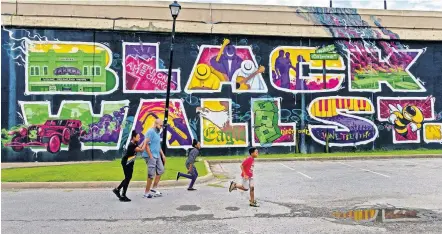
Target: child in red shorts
{"type": "Point", "coordinates": [247, 176]}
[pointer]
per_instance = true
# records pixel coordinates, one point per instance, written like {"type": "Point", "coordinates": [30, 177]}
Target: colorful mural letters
{"type": "Point", "coordinates": [266, 124]}
{"type": "Point", "coordinates": [306, 69]}
{"type": "Point", "coordinates": [82, 68]}
{"type": "Point", "coordinates": [369, 70]}
{"type": "Point", "coordinates": [343, 127]}
{"type": "Point", "coordinates": [44, 131]}
{"type": "Point", "coordinates": [179, 134]}
{"type": "Point", "coordinates": [226, 64]}
{"type": "Point", "coordinates": [217, 129]}
{"type": "Point", "coordinates": [141, 70]}
{"type": "Point", "coordinates": [310, 93]}
{"type": "Point", "coordinates": [406, 115]}
{"type": "Point", "coordinates": [432, 132]}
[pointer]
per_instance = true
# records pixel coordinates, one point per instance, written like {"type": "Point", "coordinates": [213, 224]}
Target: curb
{"type": "Point", "coordinates": [328, 158]}
{"type": "Point", "coordinates": [104, 184]}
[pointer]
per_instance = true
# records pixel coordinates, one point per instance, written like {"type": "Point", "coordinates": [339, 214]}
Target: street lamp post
{"type": "Point", "coordinates": [174, 10]}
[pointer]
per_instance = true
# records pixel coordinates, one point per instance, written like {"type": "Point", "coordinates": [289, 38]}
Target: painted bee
{"type": "Point", "coordinates": [401, 118]}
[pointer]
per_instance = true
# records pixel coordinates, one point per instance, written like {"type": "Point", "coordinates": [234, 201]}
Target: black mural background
{"type": "Point", "coordinates": [428, 68]}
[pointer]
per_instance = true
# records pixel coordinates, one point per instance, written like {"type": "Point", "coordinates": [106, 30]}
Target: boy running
{"type": "Point", "coordinates": [247, 176]}
{"type": "Point", "coordinates": [190, 165]}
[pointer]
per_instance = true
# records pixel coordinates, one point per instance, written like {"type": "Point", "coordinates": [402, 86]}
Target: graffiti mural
{"type": "Point", "coordinates": [217, 129]}
{"type": "Point", "coordinates": [226, 64]}
{"type": "Point", "coordinates": [179, 133]}
{"type": "Point", "coordinates": [343, 127]}
{"type": "Point", "coordinates": [306, 69]}
{"type": "Point", "coordinates": [266, 124]}
{"type": "Point", "coordinates": [141, 70]}
{"type": "Point", "coordinates": [369, 72]}
{"type": "Point", "coordinates": [43, 131]}
{"type": "Point", "coordinates": [55, 67]}
{"type": "Point", "coordinates": [432, 132]}
{"type": "Point", "coordinates": [406, 115]}
{"type": "Point", "coordinates": [283, 92]}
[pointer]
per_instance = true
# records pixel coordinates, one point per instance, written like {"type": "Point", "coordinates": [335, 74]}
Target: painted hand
{"type": "Point", "coordinates": [392, 118]}
{"type": "Point", "coordinates": [413, 127]}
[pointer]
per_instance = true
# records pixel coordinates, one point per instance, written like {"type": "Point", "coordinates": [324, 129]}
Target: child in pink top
{"type": "Point", "coordinates": [247, 177]}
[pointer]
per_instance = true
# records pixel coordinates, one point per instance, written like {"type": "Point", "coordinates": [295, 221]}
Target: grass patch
{"type": "Point", "coordinates": [105, 171]}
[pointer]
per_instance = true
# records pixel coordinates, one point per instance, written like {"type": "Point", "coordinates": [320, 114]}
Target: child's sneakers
{"type": "Point", "coordinates": [232, 186]}
{"type": "Point", "coordinates": [254, 203]}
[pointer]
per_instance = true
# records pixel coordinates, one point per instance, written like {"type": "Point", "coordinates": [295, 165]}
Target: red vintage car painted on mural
{"type": "Point", "coordinates": [51, 135]}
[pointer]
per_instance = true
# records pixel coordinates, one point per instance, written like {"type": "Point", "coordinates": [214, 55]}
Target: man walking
{"type": "Point", "coordinates": [154, 157]}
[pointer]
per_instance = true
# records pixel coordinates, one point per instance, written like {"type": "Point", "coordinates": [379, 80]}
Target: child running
{"type": "Point", "coordinates": [127, 162]}
{"type": "Point", "coordinates": [190, 165]}
{"type": "Point", "coordinates": [247, 176]}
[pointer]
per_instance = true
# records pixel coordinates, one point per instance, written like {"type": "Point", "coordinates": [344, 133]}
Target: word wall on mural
{"type": "Point", "coordinates": [229, 94]}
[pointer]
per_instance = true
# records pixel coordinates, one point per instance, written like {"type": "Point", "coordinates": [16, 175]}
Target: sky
{"type": "Point", "coordinates": [419, 5]}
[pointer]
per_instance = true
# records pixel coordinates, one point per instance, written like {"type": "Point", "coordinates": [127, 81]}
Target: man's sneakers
{"type": "Point", "coordinates": [148, 195]}
{"type": "Point", "coordinates": [254, 204]}
{"type": "Point", "coordinates": [191, 189]}
{"type": "Point", "coordinates": [156, 193]}
{"type": "Point", "coordinates": [153, 193]}
{"type": "Point", "coordinates": [117, 192]}
{"type": "Point", "coordinates": [232, 186]}
{"type": "Point", "coordinates": [124, 199]}
{"type": "Point", "coordinates": [178, 175]}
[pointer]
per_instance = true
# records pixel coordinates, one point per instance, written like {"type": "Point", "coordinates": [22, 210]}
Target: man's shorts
{"type": "Point", "coordinates": [247, 183]}
{"type": "Point", "coordinates": [154, 166]}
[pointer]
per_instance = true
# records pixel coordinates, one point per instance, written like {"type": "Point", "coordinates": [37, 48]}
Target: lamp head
{"type": "Point", "coordinates": [175, 9]}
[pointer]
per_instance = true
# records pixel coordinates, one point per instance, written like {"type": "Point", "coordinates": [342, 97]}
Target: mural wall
{"type": "Point", "coordinates": [76, 94]}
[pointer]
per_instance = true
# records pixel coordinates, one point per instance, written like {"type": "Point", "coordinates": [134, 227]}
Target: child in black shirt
{"type": "Point", "coordinates": [128, 168]}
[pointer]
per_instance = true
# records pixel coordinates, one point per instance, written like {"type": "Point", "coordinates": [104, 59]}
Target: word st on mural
{"type": "Point", "coordinates": [342, 125]}
{"type": "Point", "coordinates": [228, 92]}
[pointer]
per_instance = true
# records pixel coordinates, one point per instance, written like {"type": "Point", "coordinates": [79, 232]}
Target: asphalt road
{"type": "Point", "coordinates": [376, 196]}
